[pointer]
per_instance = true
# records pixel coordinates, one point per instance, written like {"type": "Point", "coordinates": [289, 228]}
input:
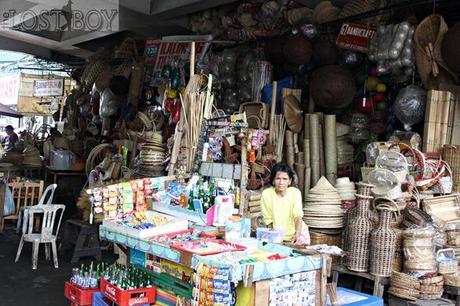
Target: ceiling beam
{"type": "Point", "coordinates": [174, 8]}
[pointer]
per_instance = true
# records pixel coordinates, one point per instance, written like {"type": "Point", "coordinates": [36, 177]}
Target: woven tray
{"type": "Point", "coordinates": [405, 281]}
{"type": "Point", "coordinates": [404, 293]}
{"type": "Point", "coordinates": [427, 296]}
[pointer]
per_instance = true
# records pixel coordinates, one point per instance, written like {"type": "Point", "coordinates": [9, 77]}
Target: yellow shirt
{"type": "Point", "coordinates": [282, 211]}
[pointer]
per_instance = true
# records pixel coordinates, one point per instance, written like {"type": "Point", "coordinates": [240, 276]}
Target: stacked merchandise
{"type": "Point", "coordinates": [152, 155]}
{"type": "Point", "coordinates": [322, 208]}
{"type": "Point", "coordinates": [453, 239]}
{"type": "Point", "coordinates": [431, 286]}
{"type": "Point", "coordinates": [346, 189]}
{"type": "Point", "coordinates": [211, 286]}
{"type": "Point", "coordinates": [295, 289]}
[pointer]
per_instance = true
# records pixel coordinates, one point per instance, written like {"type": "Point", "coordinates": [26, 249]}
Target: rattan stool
{"type": "Point", "coordinates": [84, 236]}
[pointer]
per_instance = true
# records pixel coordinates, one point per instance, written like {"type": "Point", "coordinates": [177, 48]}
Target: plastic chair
{"type": "Point", "coordinates": [47, 235]}
{"type": "Point", "coordinates": [47, 195]}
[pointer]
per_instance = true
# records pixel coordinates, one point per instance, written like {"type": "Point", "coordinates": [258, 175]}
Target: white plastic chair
{"type": "Point", "coordinates": [47, 235]}
{"type": "Point", "coordinates": [48, 196]}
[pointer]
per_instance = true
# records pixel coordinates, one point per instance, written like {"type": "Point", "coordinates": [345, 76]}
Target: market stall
{"type": "Point", "coordinates": [361, 111]}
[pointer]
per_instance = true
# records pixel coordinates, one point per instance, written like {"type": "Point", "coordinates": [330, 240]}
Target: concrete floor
{"type": "Point", "coordinates": [22, 286]}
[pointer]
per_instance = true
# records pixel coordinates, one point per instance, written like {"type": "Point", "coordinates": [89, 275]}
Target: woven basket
{"type": "Point", "coordinates": [359, 231]}
{"type": "Point", "coordinates": [320, 238]}
{"type": "Point", "coordinates": [432, 289]}
{"type": "Point", "coordinates": [364, 189]}
{"type": "Point", "coordinates": [451, 155]}
{"type": "Point", "coordinates": [448, 266]}
{"type": "Point", "coordinates": [452, 279]}
{"type": "Point", "coordinates": [383, 240]}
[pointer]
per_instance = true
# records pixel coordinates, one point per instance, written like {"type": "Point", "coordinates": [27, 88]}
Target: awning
{"type": "Point", "coordinates": [6, 111]}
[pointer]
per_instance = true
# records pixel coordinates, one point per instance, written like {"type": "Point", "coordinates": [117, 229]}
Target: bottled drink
{"type": "Point", "coordinates": [190, 201]}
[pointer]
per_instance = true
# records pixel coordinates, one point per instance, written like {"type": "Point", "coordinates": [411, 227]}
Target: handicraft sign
{"type": "Point", "coordinates": [355, 36]}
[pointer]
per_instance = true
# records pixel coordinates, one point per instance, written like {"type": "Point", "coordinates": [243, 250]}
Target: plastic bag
{"type": "Point", "coordinates": [9, 208]}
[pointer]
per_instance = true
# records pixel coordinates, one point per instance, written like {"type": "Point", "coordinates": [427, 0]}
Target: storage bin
{"type": "Point", "coordinates": [270, 235]}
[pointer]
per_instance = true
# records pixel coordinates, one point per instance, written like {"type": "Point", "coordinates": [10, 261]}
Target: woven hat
{"type": "Point", "coordinates": [325, 12]}
{"type": "Point", "coordinates": [292, 113]}
{"type": "Point", "coordinates": [332, 87]}
{"type": "Point", "coordinates": [428, 39]}
{"type": "Point", "coordinates": [450, 47]}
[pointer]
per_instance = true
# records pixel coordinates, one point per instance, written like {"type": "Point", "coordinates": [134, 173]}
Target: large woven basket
{"type": "Point", "coordinates": [383, 240]}
{"type": "Point", "coordinates": [359, 231]}
{"type": "Point", "coordinates": [451, 155]}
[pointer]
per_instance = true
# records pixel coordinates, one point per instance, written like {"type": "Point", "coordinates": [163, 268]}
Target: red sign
{"type": "Point", "coordinates": [355, 36]}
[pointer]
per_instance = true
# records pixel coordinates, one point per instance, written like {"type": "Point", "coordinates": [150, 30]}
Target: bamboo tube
{"type": "Point", "coordinates": [330, 145]}
{"type": "Point", "coordinates": [300, 158]}
{"type": "Point", "coordinates": [289, 138]}
{"type": "Point", "coordinates": [307, 182]}
{"type": "Point", "coordinates": [272, 112]}
{"type": "Point", "coordinates": [314, 149]}
{"type": "Point", "coordinates": [306, 152]}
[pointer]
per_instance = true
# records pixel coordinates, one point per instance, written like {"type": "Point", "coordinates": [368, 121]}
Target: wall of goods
{"type": "Point", "coordinates": [364, 112]}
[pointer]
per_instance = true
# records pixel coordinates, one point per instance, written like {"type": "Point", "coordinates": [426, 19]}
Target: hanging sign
{"type": "Point", "coordinates": [46, 88]}
{"type": "Point", "coordinates": [355, 36]}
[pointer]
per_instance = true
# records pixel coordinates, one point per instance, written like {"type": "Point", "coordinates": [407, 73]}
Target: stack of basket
{"type": "Point", "coordinates": [431, 286]}
{"type": "Point", "coordinates": [418, 251]}
{"type": "Point", "coordinates": [404, 286]}
{"type": "Point", "coordinates": [322, 208]}
{"type": "Point", "coordinates": [453, 241]}
{"type": "Point", "coordinates": [152, 155]}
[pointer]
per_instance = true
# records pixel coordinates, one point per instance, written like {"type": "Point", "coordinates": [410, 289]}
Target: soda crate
{"type": "Point", "coordinates": [78, 296]}
{"type": "Point", "coordinates": [132, 297]}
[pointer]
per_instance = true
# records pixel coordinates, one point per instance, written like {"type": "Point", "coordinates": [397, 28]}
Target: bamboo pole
{"type": "Point", "coordinates": [272, 112]}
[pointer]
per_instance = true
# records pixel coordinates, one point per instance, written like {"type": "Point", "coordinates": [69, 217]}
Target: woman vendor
{"type": "Point", "coordinates": [281, 206]}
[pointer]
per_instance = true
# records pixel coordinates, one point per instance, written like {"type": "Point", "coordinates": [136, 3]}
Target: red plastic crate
{"type": "Point", "coordinates": [78, 296]}
{"type": "Point", "coordinates": [127, 297]}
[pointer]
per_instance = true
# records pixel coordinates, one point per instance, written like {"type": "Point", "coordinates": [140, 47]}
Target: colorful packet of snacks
{"type": "Point", "coordinates": [128, 197]}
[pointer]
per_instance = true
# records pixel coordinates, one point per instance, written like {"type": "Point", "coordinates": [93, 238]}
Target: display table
{"type": "Point", "coordinates": [252, 278]}
{"type": "Point", "coordinates": [23, 170]}
{"type": "Point", "coordinates": [61, 173]}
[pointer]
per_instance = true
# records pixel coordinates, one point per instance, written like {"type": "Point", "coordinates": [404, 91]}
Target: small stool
{"type": "Point", "coordinates": [85, 238]}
